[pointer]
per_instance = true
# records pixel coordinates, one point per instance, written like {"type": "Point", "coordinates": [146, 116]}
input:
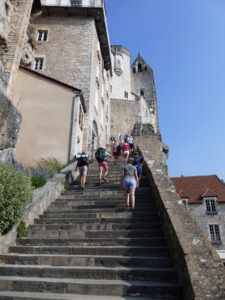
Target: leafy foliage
{"type": "Point", "coordinates": [51, 163]}
{"type": "Point", "coordinates": [21, 229]}
{"type": "Point", "coordinates": [37, 182]}
{"type": "Point", "coordinates": [15, 193]}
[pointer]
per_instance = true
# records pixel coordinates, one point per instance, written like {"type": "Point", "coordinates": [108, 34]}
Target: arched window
{"type": "Point", "coordinates": [142, 93]}
{"type": "Point", "coordinates": [146, 69]}
{"type": "Point", "coordinates": [139, 67]}
{"type": "Point", "coordinates": [134, 70]}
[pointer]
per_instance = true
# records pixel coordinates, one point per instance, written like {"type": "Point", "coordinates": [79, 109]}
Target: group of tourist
{"type": "Point", "coordinates": [131, 172]}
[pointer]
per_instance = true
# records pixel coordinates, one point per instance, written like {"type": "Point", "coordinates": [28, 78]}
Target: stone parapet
{"type": "Point", "coordinates": [42, 198]}
{"type": "Point", "coordinates": [200, 271]}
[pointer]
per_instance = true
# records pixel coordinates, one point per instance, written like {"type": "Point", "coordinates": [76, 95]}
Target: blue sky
{"type": "Point", "coordinates": [184, 42]}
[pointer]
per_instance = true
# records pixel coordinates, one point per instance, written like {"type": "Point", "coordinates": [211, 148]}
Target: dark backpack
{"type": "Point", "coordinates": [100, 154]}
{"type": "Point", "coordinates": [119, 148]}
{"type": "Point", "coordinates": [138, 160]}
{"type": "Point", "coordinates": [82, 159]}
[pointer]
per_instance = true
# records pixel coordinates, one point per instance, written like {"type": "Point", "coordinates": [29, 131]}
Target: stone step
{"type": "Point", "coordinates": [92, 205]}
{"type": "Point", "coordinates": [50, 296]}
{"type": "Point", "coordinates": [101, 200]}
{"type": "Point", "coordinates": [68, 234]}
{"type": "Point", "coordinates": [144, 251]}
{"type": "Point", "coordinates": [154, 241]}
{"type": "Point", "coordinates": [89, 272]}
{"type": "Point", "coordinates": [125, 214]}
{"type": "Point", "coordinates": [90, 286]}
{"type": "Point", "coordinates": [94, 226]}
{"type": "Point", "coordinates": [95, 209]}
{"type": "Point", "coordinates": [85, 260]}
{"type": "Point", "coordinates": [128, 221]}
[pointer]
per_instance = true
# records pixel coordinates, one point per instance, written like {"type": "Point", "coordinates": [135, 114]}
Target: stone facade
{"type": "Point", "coordinates": [73, 42]}
{"type": "Point", "coordinates": [199, 213]}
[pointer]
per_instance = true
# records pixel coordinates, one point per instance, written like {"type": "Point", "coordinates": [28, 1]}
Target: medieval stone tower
{"type": "Point", "coordinates": [133, 94]}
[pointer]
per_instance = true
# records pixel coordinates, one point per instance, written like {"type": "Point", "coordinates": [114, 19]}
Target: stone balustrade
{"type": "Point", "coordinates": [200, 270]}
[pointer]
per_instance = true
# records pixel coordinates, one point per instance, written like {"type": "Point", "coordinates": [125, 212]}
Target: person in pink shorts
{"type": "Point", "coordinates": [101, 156]}
{"type": "Point", "coordinates": [126, 151]}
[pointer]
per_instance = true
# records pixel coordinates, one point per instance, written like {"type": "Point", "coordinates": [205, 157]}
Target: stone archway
{"type": "Point", "coordinates": [94, 138]}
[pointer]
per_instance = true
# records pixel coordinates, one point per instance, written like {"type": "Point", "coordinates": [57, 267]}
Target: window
{"type": "Point", "coordinates": [210, 206]}
{"type": "Point", "coordinates": [126, 95]}
{"type": "Point", "coordinates": [146, 69]}
{"type": "Point", "coordinates": [42, 35]}
{"type": "Point", "coordinates": [139, 67]}
{"type": "Point", "coordinates": [142, 93]}
{"type": "Point", "coordinates": [215, 234]}
{"type": "Point", "coordinates": [76, 2]}
{"type": "Point", "coordinates": [38, 63]}
{"type": "Point", "coordinates": [134, 70]}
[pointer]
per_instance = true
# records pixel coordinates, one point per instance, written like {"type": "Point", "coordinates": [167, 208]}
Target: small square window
{"type": "Point", "coordinates": [42, 35]}
{"type": "Point", "coordinates": [210, 206]}
{"type": "Point", "coordinates": [215, 234]}
{"type": "Point", "coordinates": [38, 63]}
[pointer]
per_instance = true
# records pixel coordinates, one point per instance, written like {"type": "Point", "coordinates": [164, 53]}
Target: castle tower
{"type": "Point", "coordinates": [144, 86]}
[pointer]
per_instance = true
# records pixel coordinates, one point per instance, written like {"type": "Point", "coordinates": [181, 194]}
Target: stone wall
{"type": "Point", "coordinates": [204, 220]}
{"type": "Point", "coordinates": [10, 120]}
{"type": "Point", "coordinates": [121, 78]}
{"type": "Point", "coordinates": [126, 113]}
{"type": "Point", "coordinates": [200, 270]}
{"type": "Point", "coordinates": [17, 24]}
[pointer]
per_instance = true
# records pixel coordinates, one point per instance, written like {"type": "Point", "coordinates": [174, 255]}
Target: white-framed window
{"type": "Point", "coordinates": [210, 204]}
{"type": "Point", "coordinates": [42, 35]}
{"type": "Point", "coordinates": [38, 64]}
{"type": "Point", "coordinates": [214, 231]}
{"type": "Point", "coordinates": [96, 100]}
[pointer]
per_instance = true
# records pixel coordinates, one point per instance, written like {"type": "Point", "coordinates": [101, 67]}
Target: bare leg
{"type": "Point", "coordinates": [100, 174]}
{"type": "Point", "coordinates": [132, 191]}
{"type": "Point", "coordinates": [127, 198]}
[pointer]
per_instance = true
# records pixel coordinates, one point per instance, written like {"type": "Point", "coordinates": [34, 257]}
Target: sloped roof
{"type": "Point", "coordinates": [197, 187]}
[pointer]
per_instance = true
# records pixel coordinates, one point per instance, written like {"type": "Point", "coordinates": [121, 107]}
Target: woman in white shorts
{"type": "Point", "coordinates": [128, 180]}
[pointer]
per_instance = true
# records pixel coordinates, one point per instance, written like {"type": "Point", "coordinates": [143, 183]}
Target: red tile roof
{"type": "Point", "coordinates": [197, 187]}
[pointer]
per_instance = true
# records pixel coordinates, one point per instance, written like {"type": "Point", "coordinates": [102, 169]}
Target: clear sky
{"type": "Point", "coordinates": [184, 42]}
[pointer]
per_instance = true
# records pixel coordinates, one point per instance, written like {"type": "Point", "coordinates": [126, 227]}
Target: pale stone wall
{"type": "Point", "coordinates": [204, 220]}
{"type": "Point", "coordinates": [46, 108]}
{"type": "Point", "coordinates": [121, 78]}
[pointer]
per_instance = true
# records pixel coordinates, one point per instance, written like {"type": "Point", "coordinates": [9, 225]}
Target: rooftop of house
{"type": "Point", "coordinates": [195, 188]}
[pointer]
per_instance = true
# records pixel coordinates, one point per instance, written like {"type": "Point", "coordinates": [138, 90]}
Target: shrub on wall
{"type": "Point", "coordinates": [15, 193]}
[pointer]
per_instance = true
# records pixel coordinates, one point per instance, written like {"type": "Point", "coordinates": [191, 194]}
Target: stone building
{"type": "Point", "coordinates": [53, 118]}
{"type": "Point", "coordinates": [71, 45]}
{"type": "Point", "coordinates": [133, 94]}
{"type": "Point", "coordinates": [204, 196]}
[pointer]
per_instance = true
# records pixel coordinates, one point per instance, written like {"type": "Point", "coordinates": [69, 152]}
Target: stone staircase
{"type": "Point", "coordinates": [88, 245]}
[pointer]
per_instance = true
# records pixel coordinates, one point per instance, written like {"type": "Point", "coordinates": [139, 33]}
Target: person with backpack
{"type": "Point", "coordinates": [128, 181]}
{"type": "Point", "coordinates": [83, 167]}
{"type": "Point", "coordinates": [101, 155]}
{"type": "Point", "coordinates": [130, 141]}
{"type": "Point", "coordinates": [116, 152]}
{"type": "Point", "coordinates": [138, 163]}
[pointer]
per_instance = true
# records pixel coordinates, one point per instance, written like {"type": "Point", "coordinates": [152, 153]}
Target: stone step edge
{"type": "Point", "coordinates": [84, 256]}
{"type": "Point", "coordinates": [95, 282]}
{"type": "Point", "coordinates": [95, 268]}
{"type": "Point", "coordinates": [49, 296]}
